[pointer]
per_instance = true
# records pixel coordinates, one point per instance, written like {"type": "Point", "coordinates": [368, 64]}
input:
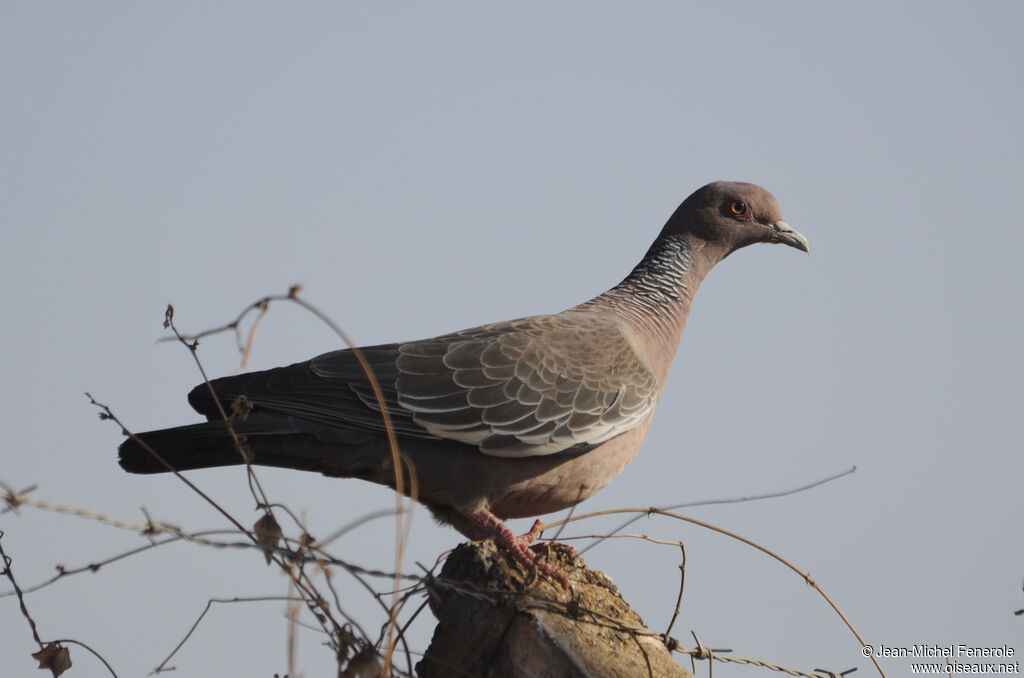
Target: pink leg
{"type": "Point", "coordinates": [547, 547]}
{"type": "Point", "coordinates": [489, 526]}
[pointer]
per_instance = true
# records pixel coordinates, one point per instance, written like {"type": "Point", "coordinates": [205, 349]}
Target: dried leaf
{"type": "Point", "coordinates": [268, 533]}
{"type": "Point", "coordinates": [55, 658]}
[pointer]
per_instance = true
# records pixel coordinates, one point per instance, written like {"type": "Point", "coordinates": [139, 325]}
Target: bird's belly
{"type": "Point", "coordinates": [567, 483]}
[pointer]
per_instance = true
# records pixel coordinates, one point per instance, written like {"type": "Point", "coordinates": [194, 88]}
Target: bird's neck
{"type": "Point", "coordinates": [655, 297]}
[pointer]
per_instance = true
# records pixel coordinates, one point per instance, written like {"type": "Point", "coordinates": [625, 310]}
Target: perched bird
{"type": "Point", "coordinates": [508, 420]}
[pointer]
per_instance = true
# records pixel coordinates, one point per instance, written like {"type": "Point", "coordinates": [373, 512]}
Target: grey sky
{"type": "Point", "coordinates": [421, 169]}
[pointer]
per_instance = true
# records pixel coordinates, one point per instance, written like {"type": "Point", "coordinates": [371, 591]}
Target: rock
{"type": "Point", "coordinates": [496, 620]}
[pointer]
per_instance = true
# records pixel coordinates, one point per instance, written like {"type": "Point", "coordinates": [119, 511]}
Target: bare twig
{"type": "Point", "coordinates": [162, 666]}
{"type": "Point", "coordinates": [749, 542]}
{"type": "Point", "coordinates": [679, 598]}
{"type": "Point", "coordinates": [96, 654]}
{"type": "Point", "coordinates": [402, 526]}
{"type": "Point", "coordinates": [193, 348]}
{"type": "Point", "coordinates": [9, 573]}
{"type": "Point", "coordinates": [731, 500]}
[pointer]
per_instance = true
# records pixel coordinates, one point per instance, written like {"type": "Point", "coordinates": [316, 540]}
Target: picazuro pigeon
{"type": "Point", "coordinates": [508, 420]}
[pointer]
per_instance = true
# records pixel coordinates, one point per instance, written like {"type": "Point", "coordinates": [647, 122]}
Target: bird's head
{"type": "Point", "coordinates": [728, 215]}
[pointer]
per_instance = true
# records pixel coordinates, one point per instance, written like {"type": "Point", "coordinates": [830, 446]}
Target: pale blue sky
{"type": "Point", "coordinates": [425, 168]}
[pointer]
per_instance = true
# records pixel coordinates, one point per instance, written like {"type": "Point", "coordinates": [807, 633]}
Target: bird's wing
{"type": "Point", "coordinates": [527, 387]}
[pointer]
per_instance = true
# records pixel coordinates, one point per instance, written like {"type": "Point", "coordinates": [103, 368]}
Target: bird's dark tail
{"type": "Point", "coordinates": [267, 441]}
{"type": "Point", "coordinates": [182, 448]}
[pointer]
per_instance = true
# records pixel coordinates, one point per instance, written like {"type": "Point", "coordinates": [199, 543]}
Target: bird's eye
{"type": "Point", "coordinates": [737, 207]}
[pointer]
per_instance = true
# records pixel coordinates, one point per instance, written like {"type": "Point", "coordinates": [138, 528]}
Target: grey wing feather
{"type": "Point", "coordinates": [528, 387]}
{"type": "Point", "coordinates": [535, 386]}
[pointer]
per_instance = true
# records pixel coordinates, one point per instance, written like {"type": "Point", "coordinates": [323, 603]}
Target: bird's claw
{"type": "Point", "coordinates": [518, 546]}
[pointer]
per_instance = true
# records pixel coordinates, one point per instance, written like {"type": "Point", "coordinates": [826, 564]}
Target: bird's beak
{"type": "Point", "coordinates": [782, 233]}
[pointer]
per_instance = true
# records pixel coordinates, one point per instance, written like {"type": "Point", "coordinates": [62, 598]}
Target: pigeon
{"type": "Point", "coordinates": [513, 419]}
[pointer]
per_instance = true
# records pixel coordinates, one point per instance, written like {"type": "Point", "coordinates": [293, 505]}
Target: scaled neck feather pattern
{"type": "Point", "coordinates": [658, 279]}
{"type": "Point", "coordinates": [651, 295]}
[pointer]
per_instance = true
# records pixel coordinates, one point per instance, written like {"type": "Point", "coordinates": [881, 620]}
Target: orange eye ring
{"type": "Point", "coordinates": [738, 207]}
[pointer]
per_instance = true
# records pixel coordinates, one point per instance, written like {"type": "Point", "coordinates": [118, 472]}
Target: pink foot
{"type": "Point", "coordinates": [490, 527]}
